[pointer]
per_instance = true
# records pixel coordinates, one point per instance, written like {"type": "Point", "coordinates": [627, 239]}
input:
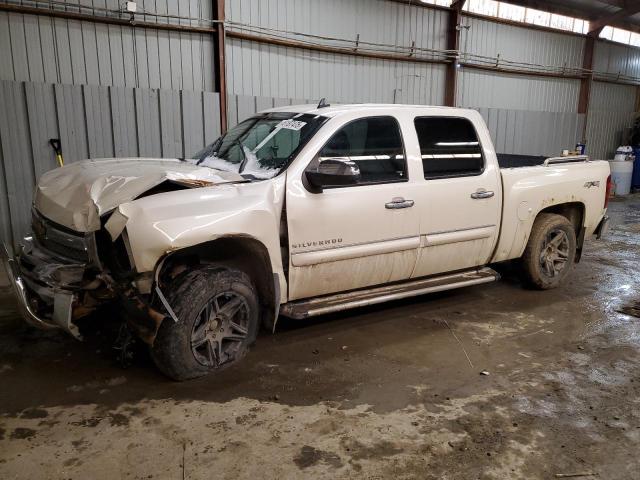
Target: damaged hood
{"type": "Point", "coordinates": [77, 195]}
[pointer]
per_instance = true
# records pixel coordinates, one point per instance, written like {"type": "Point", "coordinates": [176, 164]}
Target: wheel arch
{"type": "Point", "coordinates": [242, 252]}
{"type": "Point", "coordinates": [575, 213]}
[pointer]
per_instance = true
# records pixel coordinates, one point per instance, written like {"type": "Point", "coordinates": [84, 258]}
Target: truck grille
{"type": "Point", "coordinates": [59, 240]}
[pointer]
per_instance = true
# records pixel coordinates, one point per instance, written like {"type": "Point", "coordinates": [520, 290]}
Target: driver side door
{"type": "Point", "coordinates": [354, 236]}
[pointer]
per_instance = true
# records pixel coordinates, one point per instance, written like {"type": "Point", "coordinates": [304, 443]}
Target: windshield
{"type": "Point", "coordinates": [260, 147]}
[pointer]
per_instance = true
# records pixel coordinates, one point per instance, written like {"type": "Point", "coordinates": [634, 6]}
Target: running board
{"type": "Point", "coordinates": [299, 309]}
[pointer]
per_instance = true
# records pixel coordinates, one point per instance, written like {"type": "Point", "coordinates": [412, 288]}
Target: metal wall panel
{"type": "Point", "coordinates": [616, 59]}
{"type": "Point", "coordinates": [55, 50]}
{"type": "Point", "coordinates": [16, 155]}
{"type": "Point", "coordinates": [532, 133]}
{"type": "Point", "coordinates": [92, 122]}
{"type": "Point", "coordinates": [608, 96]}
{"type": "Point", "coordinates": [260, 70]}
{"type": "Point", "coordinates": [377, 21]}
{"type": "Point", "coordinates": [477, 88]}
{"type": "Point", "coordinates": [611, 110]}
{"type": "Point", "coordinates": [490, 39]}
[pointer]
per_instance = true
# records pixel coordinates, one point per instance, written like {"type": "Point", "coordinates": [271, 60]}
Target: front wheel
{"type": "Point", "coordinates": [218, 312]}
{"type": "Point", "coordinates": [550, 252]}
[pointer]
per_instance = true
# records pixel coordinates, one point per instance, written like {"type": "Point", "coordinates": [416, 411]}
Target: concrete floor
{"type": "Point", "coordinates": [384, 392]}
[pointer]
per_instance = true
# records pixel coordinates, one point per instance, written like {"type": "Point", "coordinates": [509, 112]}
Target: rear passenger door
{"type": "Point", "coordinates": [353, 236]}
{"type": "Point", "coordinates": [461, 195]}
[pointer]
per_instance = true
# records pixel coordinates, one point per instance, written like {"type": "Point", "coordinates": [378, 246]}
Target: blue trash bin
{"type": "Point", "coordinates": [635, 179]}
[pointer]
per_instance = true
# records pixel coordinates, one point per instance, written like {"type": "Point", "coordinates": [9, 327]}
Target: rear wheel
{"type": "Point", "coordinates": [217, 312]}
{"type": "Point", "coordinates": [550, 252]}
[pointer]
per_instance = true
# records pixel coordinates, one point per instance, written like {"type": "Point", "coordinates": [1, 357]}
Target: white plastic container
{"type": "Point", "coordinates": [622, 153]}
{"type": "Point", "coordinates": [621, 173]}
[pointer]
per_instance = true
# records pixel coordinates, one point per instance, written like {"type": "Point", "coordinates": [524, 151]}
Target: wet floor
{"type": "Point", "coordinates": [392, 391]}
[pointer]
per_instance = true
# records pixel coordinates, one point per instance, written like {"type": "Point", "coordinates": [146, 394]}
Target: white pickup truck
{"type": "Point", "coordinates": [297, 211]}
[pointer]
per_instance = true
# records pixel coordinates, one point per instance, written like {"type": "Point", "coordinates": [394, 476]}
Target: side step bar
{"type": "Point", "coordinates": [299, 309]}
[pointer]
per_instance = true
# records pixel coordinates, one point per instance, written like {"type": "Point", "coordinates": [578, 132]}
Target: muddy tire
{"type": "Point", "coordinates": [218, 312]}
{"type": "Point", "coordinates": [550, 252]}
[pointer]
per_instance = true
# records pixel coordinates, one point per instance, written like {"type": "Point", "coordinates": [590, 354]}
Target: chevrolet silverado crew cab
{"type": "Point", "coordinates": [297, 211]}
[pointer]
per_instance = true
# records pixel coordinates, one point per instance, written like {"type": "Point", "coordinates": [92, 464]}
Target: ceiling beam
{"type": "Point", "coordinates": [620, 15]}
{"type": "Point", "coordinates": [614, 3]}
{"type": "Point", "coordinates": [554, 7]}
{"type": "Point", "coordinates": [616, 19]}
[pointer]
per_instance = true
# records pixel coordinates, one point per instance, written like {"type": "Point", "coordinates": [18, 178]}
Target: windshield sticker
{"type": "Point", "coordinates": [291, 124]}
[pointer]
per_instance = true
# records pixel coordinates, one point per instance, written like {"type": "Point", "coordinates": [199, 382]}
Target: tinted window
{"type": "Point", "coordinates": [374, 144]}
{"type": "Point", "coordinates": [449, 147]}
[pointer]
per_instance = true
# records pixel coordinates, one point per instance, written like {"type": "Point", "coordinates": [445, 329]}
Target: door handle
{"type": "Point", "coordinates": [482, 194]}
{"type": "Point", "coordinates": [398, 202]}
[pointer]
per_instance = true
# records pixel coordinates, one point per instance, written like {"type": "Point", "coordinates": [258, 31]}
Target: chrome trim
{"type": "Point", "coordinates": [20, 290]}
{"type": "Point", "coordinates": [482, 194]}
{"type": "Point", "coordinates": [569, 159]}
{"type": "Point", "coordinates": [304, 259]}
{"type": "Point", "coordinates": [459, 229]}
{"type": "Point", "coordinates": [357, 244]}
{"type": "Point", "coordinates": [399, 202]}
{"type": "Point", "coordinates": [371, 296]}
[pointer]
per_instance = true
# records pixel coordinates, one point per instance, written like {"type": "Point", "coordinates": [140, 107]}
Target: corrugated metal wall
{"type": "Point", "coordinates": [611, 109]}
{"type": "Point", "coordinates": [115, 90]}
{"type": "Point", "coordinates": [528, 115]}
{"type": "Point", "coordinates": [525, 115]}
{"type": "Point", "coordinates": [273, 71]}
{"type": "Point", "coordinates": [490, 39]}
{"type": "Point", "coordinates": [378, 21]}
{"type": "Point", "coordinates": [617, 59]}
{"type": "Point", "coordinates": [477, 88]}
{"type": "Point", "coordinates": [55, 50]}
{"type": "Point", "coordinates": [92, 122]}
{"type": "Point", "coordinates": [104, 90]}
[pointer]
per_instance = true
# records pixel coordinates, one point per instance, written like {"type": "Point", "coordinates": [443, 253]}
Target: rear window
{"type": "Point", "coordinates": [449, 147]}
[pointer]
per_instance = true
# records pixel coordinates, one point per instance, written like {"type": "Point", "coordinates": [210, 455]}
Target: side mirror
{"type": "Point", "coordinates": [332, 172]}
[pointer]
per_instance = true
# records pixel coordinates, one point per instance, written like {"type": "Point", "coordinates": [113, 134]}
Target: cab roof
{"type": "Point", "coordinates": [333, 110]}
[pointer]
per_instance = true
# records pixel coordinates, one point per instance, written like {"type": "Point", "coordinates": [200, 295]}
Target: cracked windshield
{"type": "Point", "coordinates": [261, 147]}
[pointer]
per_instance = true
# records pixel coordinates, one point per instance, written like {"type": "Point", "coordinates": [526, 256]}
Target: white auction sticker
{"type": "Point", "coordinates": [291, 124]}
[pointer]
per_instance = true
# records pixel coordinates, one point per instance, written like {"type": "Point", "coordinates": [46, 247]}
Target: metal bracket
{"type": "Point", "coordinates": [161, 296]}
{"type": "Point", "coordinates": [166, 303]}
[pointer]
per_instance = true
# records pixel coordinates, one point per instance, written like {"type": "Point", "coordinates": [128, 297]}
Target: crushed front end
{"type": "Point", "coordinates": [57, 276]}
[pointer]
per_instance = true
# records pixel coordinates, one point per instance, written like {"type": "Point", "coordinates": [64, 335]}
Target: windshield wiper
{"type": "Point", "coordinates": [244, 155]}
{"type": "Point", "coordinates": [214, 149]}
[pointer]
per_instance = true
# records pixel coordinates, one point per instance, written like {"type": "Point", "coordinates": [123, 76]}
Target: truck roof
{"type": "Point", "coordinates": [336, 109]}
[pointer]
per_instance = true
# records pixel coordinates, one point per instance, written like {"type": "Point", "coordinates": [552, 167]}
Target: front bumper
{"type": "Point", "coordinates": [20, 290]}
{"type": "Point", "coordinates": [33, 290]}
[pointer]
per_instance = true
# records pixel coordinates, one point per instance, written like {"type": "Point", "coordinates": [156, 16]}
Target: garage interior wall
{"type": "Point", "coordinates": [104, 90]}
{"type": "Point", "coordinates": [111, 90]}
{"type": "Point", "coordinates": [526, 114]}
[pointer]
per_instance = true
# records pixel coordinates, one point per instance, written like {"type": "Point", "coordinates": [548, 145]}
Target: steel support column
{"type": "Point", "coordinates": [587, 79]}
{"type": "Point", "coordinates": [453, 45]}
{"type": "Point", "coordinates": [219, 59]}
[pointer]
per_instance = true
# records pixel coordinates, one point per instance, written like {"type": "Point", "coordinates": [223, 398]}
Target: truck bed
{"type": "Point", "coordinates": [509, 160]}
